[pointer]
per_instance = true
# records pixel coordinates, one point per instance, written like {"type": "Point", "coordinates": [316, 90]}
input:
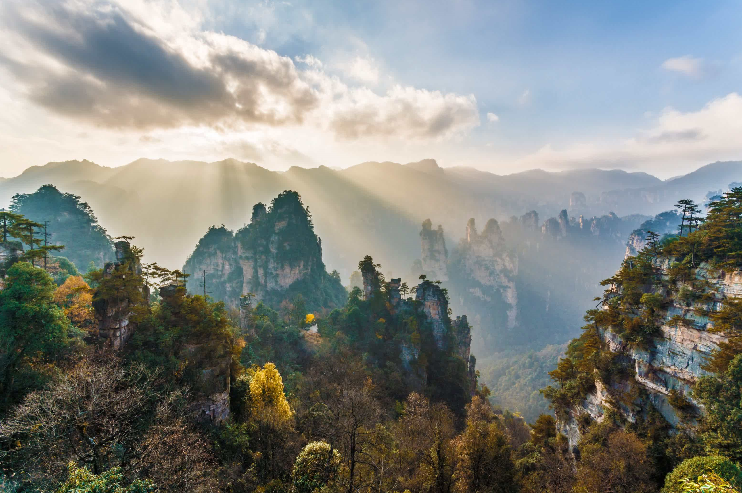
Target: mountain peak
{"type": "Point", "coordinates": [426, 165]}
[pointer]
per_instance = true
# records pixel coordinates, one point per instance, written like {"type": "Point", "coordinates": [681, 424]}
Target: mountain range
{"type": "Point", "coordinates": [370, 208]}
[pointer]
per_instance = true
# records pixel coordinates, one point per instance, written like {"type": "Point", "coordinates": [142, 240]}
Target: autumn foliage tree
{"type": "Point", "coordinates": [75, 297]}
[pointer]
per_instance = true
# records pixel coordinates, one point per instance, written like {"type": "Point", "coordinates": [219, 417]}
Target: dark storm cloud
{"type": "Point", "coordinates": [118, 75]}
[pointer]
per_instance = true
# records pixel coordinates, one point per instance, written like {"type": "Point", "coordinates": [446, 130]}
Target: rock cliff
{"type": "Point", "coordinates": [489, 269]}
{"type": "Point", "coordinates": [434, 255]}
{"type": "Point", "coordinates": [665, 369]}
{"type": "Point", "coordinates": [428, 332]}
{"type": "Point", "coordinates": [114, 313]}
{"type": "Point", "coordinates": [662, 224]}
{"type": "Point", "coordinates": [276, 257]}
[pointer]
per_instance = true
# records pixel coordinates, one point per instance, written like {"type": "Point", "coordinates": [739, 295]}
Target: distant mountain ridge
{"type": "Point", "coordinates": [168, 205]}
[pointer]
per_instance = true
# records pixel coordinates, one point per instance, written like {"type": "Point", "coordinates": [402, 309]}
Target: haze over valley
{"type": "Point", "coordinates": [441, 246]}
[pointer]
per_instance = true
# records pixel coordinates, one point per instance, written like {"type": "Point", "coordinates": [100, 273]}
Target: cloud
{"type": "Point", "coordinates": [109, 69]}
{"type": "Point", "coordinates": [525, 98]}
{"type": "Point", "coordinates": [492, 117]}
{"type": "Point", "coordinates": [143, 66]}
{"type": "Point", "coordinates": [675, 140]}
{"type": "Point", "coordinates": [687, 65]}
{"type": "Point", "coordinates": [364, 69]}
{"type": "Point", "coordinates": [403, 112]}
{"type": "Point", "coordinates": [309, 60]}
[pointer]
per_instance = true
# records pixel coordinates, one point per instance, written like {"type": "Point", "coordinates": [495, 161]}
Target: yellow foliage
{"type": "Point", "coordinates": [268, 404]}
{"type": "Point", "coordinates": [76, 299]}
{"type": "Point", "coordinates": [309, 318]}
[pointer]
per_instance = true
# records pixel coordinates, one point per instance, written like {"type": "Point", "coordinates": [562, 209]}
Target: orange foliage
{"type": "Point", "coordinates": [76, 299]}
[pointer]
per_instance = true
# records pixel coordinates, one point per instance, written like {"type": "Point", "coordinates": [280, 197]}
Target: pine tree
{"type": "Point", "coordinates": [7, 220]}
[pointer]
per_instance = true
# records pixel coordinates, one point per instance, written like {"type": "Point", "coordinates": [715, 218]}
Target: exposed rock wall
{"type": "Point", "coordinates": [672, 362]}
{"type": "Point", "coordinates": [436, 308]}
{"type": "Point", "coordinates": [484, 259]}
{"type": "Point", "coordinates": [434, 255]}
{"type": "Point", "coordinates": [274, 258]}
{"type": "Point", "coordinates": [114, 315]}
{"type": "Point", "coordinates": [663, 223]}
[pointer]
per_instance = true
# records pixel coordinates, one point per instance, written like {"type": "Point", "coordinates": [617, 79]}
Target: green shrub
{"type": "Point", "coordinates": [691, 469]}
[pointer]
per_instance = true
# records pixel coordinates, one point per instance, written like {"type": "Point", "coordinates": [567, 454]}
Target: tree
{"type": "Point", "coordinates": [270, 415]}
{"type": "Point", "coordinates": [33, 330]}
{"type": "Point", "coordinates": [343, 410]}
{"type": "Point", "coordinates": [268, 404]}
{"type": "Point", "coordinates": [425, 434]}
{"type": "Point", "coordinates": [723, 228]}
{"type": "Point", "coordinates": [727, 321]}
{"type": "Point", "coordinates": [24, 230]}
{"type": "Point", "coordinates": [652, 241]}
{"type": "Point", "coordinates": [92, 415]}
{"type": "Point", "coordinates": [720, 427]}
{"type": "Point", "coordinates": [7, 220]}
{"type": "Point", "coordinates": [81, 480]}
{"type": "Point", "coordinates": [617, 463]}
{"type": "Point", "coordinates": [483, 456]}
{"type": "Point", "coordinates": [688, 209]}
{"type": "Point", "coordinates": [173, 453]}
{"type": "Point", "coordinates": [316, 467]}
{"type": "Point", "coordinates": [75, 297]}
{"type": "Point", "coordinates": [692, 468]}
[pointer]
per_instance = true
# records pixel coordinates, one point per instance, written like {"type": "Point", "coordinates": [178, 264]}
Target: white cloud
{"type": "Point", "coordinates": [525, 97]}
{"type": "Point", "coordinates": [123, 66]}
{"type": "Point", "coordinates": [309, 60]}
{"type": "Point", "coordinates": [401, 113]}
{"type": "Point", "coordinates": [492, 117]}
{"type": "Point", "coordinates": [687, 65]}
{"type": "Point", "coordinates": [363, 69]}
{"type": "Point", "coordinates": [260, 36]}
{"type": "Point", "coordinates": [675, 141]}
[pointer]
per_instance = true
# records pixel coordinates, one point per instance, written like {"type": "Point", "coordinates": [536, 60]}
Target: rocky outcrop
{"type": "Point", "coordinates": [489, 267]}
{"type": "Point", "coordinates": [671, 363]}
{"type": "Point", "coordinates": [530, 221]}
{"type": "Point", "coordinates": [276, 257]}
{"type": "Point", "coordinates": [663, 223]}
{"type": "Point", "coordinates": [462, 336]}
{"type": "Point", "coordinates": [114, 314]}
{"type": "Point", "coordinates": [564, 222]}
{"type": "Point", "coordinates": [434, 255]}
{"type": "Point", "coordinates": [431, 311]}
{"type": "Point", "coordinates": [577, 200]}
{"type": "Point", "coordinates": [436, 307]}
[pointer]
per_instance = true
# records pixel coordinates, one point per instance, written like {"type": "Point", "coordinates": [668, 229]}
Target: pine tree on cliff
{"type": "Point", "coordinates": [688, 210]}
{"type": "Point", "coordinates": [24, 230]}
{"type": "Point", "coordinates": [7, 220]}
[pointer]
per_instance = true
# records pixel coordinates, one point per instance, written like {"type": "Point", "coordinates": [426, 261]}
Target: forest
{"type": "Point", "coordinates": [121, 379]}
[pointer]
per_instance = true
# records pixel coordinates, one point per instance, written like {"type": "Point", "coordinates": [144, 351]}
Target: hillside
{"type": "Point", "coordinates": [660, 356]}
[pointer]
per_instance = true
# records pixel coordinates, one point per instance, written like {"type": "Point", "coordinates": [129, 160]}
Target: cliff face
{"type": "Point", "coordinates": [489, 269]}
{"type": "Point", "coordinates": [671, 363]}
{"type": "Point", "coordinates": [434, 255]}
{"type": "Point", "coordinates": [276, 257]}
{"type": "Point", "coordinates": [430, 316]}
{"type": "Point", "coordinates": [664, 223]}
{"type": "Point", "coordinates": [114, 314]}
{"type": "Point", "coordinates": [436, 308]}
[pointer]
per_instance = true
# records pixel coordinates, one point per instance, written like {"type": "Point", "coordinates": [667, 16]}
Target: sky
{"type": "Point", "coordinates": [502, 86]}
